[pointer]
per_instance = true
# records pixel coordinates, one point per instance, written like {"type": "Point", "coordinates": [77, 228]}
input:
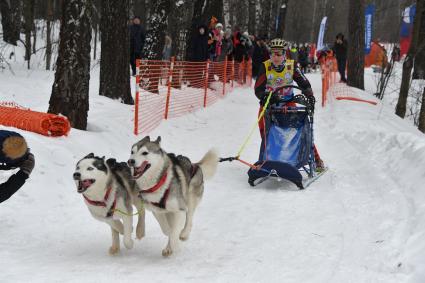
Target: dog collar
{"type": "Point", "coordinates": [158, 185]}
{"type": "Point", "coordinates": [103, 203]}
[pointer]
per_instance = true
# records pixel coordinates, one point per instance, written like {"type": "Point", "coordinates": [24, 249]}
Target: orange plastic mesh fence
{"type": "Point", "coordinates": [169, 89]}
{"type": "Point", "coordinates": [329, 68]}
{"type": "Point", "coordinates": [14, 115]}
{"type": "Point", "coordinates": [331, 89]}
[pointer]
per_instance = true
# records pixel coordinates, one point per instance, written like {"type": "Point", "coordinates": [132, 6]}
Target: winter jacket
{"type": "Point", "coordinates": [200, 46]}
{"type": "Point", "coordinates": [12, 185]}
{"type": "Point", "coordinates": [137, 39]}
{"type": "Point", "coordinates": [11, 155]}
{"type": "Point", "coordinates": [226, 49]}
{"type": "Point", "coordinates": [303, 57]}
{"type": "Point", "coordinates": [340, 50]}
{"type": "Point", "coordinates": [259, 55]}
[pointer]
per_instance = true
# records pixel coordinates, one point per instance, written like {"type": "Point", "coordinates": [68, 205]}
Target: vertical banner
{"type": "Point", "coordinates": [321, 34]}
{"type": "Point", "coordinates": [370, 9]}
{"type": "Point", "coordinates": [407, 28]}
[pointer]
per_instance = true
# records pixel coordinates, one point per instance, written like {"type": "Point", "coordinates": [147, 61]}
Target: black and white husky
{"type": "Point", "coordinates": [171, 186]}
{"type": "Point", "coordinates": [109, 192]}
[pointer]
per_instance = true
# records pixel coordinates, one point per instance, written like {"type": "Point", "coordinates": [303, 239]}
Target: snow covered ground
{"type": "Point", "coordinates": [361, 222]}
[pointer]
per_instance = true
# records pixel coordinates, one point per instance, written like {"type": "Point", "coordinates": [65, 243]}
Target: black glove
{"type": "Point", "coordinates": [273, 99]}
{"type": "Point", "coordinates": [28, 164]}
{"type": "Point", "coordinates": [308, 92]}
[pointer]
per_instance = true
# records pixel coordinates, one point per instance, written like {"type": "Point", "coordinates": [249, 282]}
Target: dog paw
{"type": "Point", "coordinates": [114, 250]}
{"type": "Point", "coordinates": [184, 235]}
{"type": "Point", "coordinates": [129, 244]}
{"type": "Point", "coordinates": [167, 252]}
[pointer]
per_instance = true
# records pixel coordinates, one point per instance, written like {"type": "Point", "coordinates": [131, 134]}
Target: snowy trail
{"type": "Point", "coordinates": [349, 226]}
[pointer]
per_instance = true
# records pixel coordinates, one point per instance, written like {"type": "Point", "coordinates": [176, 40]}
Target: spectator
{"type": "Point", "coordinates": [340, 51]}
{"type": "Point", "coordinates": [137, 41]}
{"type": "Point", "coordinates": [200, 45]}
{"type": "Point", "coordinates": [218, 37]}
{"type": "Point", "coordinates": [303, 59]}
{"type": "Point", "coordinates": [212, 41]}
{"type": "Point", "coordinates": [259, 55]}
{"type": "Point", "coordinates": [14, 153]}
{"type": "Point", "coordinates": [226, 46]}
{"type": "Point", "coordinates": [166, 52]}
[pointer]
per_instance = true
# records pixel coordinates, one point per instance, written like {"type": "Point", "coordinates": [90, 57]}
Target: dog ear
{"type": "Point", "coordinates": [144, 140]}
{"type": "Point", "coordinates": [90, 155]}
{"type": "Point", "coordinates": [158, 140]}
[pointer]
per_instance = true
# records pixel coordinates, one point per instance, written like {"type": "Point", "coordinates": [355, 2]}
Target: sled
{"type": "Point", "coordinates": [287, 147]}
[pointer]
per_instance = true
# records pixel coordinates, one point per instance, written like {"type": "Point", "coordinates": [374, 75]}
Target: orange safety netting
{"type": "Point", "coordinates": [329, 68]}
{"type": "Point", "coordinates": [14, 115]}
{"type": "Point", "coordinates": [331, 88]}
{"type": "Point", "coordinates": [169, 89]}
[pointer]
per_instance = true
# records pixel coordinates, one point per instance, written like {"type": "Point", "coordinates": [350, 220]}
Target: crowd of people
{"type": "Point", "coordinates": [215, 43]}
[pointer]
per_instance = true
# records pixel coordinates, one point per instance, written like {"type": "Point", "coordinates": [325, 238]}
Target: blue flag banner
{"type": "Point", "coordinates": [370, 9]}
{"type": "Point", "coordinates": [321, 33]}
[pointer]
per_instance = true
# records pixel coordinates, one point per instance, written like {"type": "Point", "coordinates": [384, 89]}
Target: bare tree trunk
{"type": "Point", "coordinates": [313, 21]}
{"type": "Point", "coordinates": [408, 62]}
{"type": "Point", "coordinates": [70, 91]}
{"type": "Point", "coordinates": [34, 35]}
{"type": "Point", "coordinates": [251, 18]}
{"type": "Point", "coordinates": [28, 26]}
{"type": "Point", "coordinates": [226, 14]}
{"type": "Point", "coordinates": [96, 31]}
{"type": "Point", "coordinates": [419, 66]}
{"type": "Point", "coordinates": [214, 8]}
{"type": "Point", "coordinates": [263, 28]}
{"type": "Point", "coordinates": [115, 51]}
{"type": "Point", "coordinates": [154, 42]}
{"type": "Point", "coordinates": [197, 19]}
{"type": "Point", "coordinates": [11, 11]}
{"type": "Point", "coordinates": [421, 126]}
{"type": "Point", "coordinates": [282, 18]}
{"type": "Point", "coordinates": [356, 41]}
{"type": "Point", "coordinates": [179, 27]}
{"type": "Point", "coordinates": [49, 20]}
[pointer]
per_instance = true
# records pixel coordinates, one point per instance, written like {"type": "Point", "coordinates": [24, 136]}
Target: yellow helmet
{"type": "Point", "coordinates": [278, 43]}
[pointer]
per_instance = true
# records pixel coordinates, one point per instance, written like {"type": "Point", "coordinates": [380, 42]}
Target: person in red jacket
{"type": "Point", "coordinates": [276, 72]}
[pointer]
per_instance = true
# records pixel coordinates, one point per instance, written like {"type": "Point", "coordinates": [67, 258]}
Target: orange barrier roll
{"type": "Point", "coordinates": [42, 123]}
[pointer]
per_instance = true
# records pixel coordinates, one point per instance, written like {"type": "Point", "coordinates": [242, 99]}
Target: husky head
{"type": "Point", "coordinates": [89, 170]}
{"type": "Point", "coordinates": [146, 155]}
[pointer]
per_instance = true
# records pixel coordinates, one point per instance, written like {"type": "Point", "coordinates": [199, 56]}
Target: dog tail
{"type": "Point", "coordinates": [209, 164]}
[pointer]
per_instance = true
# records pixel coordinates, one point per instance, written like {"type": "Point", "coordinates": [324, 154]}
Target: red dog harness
{"type": "Point", "coordinates": [163, 201]}
{"type": "Point", "coordinates": [103, 203]}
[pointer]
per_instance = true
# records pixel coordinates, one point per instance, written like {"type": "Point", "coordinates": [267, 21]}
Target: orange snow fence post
{"type": "Point", "coordinates": [38, 122]}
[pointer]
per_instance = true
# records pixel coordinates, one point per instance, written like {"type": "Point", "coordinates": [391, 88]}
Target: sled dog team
{"type": "Point", "coordinates": [169, 186]}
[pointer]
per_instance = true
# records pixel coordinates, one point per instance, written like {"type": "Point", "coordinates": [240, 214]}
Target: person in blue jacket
{"type": "Point", "coordinates": [14, 153]}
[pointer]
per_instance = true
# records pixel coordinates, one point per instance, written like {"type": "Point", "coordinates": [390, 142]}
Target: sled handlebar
{"type": "Point", "coordinates": [289, 86]}
{"type": "Point", "coordinates": [289, 109]}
